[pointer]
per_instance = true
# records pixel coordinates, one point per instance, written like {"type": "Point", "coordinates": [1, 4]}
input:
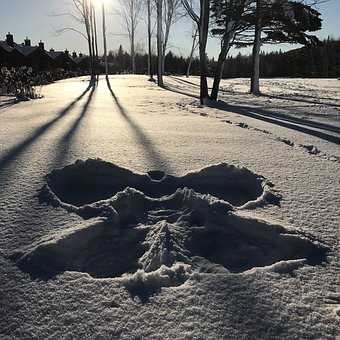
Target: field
{"type": "Point", "coordinates": [230, 230]}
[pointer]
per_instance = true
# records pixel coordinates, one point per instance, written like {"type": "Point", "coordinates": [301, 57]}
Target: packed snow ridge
{"type": "Point", "coordinates": [154, 230]}
{"type": "Point", "coordinates": [94, 180]}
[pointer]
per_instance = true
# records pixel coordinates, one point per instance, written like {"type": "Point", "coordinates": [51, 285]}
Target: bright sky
{"type": "Point", "coordinates": [36, 19]}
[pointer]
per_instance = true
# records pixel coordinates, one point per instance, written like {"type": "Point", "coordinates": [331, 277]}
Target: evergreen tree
{"type": "Point", "coordinates": [281, 21]}
{"type": "Point", "coordinates": [229, 20]}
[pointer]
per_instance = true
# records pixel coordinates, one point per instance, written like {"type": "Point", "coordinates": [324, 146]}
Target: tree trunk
{"type": "Point", "coordinates": [133, 27]}
{"type": "Point", "coordinates": [165, 43]}
{"type": "Point", "coordinates": [104, 42]}
{"type": "Point", "coordinates": [89, 41]}
{"type": "Point", "coordinates": [150, 68]}
{"type": "Point", "coordinates": [95, 34]}
{"type": "Point", "coordinates": [160, 41]}
{"type": "Point", "coordinates": [193, 47]}
{"type": "Point", "coordinates": [219, 69]}
{"type": "Point", "coordinates": [203, 38]}
{"type": "Point", "coordinates": [255, 78]}
{"type": "Point", "coordinates": [163, 63]}
{"type": "Point", "coordinates": [91, 56]}
{"type": "Point", "coordinates": [92, 39]}
{"type": "Point", "coordinates": [133, 56]}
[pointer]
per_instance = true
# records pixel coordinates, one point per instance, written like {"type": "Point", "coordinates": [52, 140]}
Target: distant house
{"type": "Point", "coordinates": [5, 53]}
{"type": "Point", "coordinates": [62, 59]}
{"type": "Point", "coordinates": [82, 61]}
{"type": "Point", "coordinates": [9, 55]}
{"type": "Point", "coordinates": [34, 56]}
{"type": "Point", "coordinates": [13, 54]}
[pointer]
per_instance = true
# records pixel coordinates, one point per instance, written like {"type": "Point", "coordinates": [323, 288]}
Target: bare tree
{"type": "Point", "coordinates": [95, 33]}
{"type": "Point", "coordinates": [82, 13]}
{"type": "Point", "coordinates": [159, 4]}
{"type": "Point", "coordinates": [92, 32]}
{"type": "Point", "coordinates": [150, 68]}
{"type": "Point", "coordinates": [193, 48]}
{"type": "Point", "coordinates": [104, 42]}
{"type": "Point", "coordinates": [202, 22]}
{"type": "Point", "coordinates": [171, 15]}
{"type": "Point", "coordinates": [131, 12]}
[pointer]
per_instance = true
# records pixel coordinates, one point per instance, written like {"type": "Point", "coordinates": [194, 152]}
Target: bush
{"type": "Point", "coordinates": [23, 82]}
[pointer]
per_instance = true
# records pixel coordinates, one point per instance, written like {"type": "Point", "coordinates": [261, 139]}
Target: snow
{"type": "Point", "coordinates": [94, 180]}
{"type": "Point", "coordinates": [145, 284]}
{"type": "Point", "coordinates": [190, 293]}
{"type": "Point", "coordinates": [140, 231]}
{"type": "Point", "coordinates": [314, 99]}
{"type": "Point", "coordinates": [6, 101]}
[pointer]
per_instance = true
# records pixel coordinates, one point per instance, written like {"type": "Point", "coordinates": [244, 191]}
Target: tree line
{"type": "Point", "coordinates": [322, 61]}
{"type": "Point", "coordinates": [307, 62]}
{"type": "Point", "coordinates": [239, 23]}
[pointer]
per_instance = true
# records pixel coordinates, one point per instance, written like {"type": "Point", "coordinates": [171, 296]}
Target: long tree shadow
{"type": "Point", "coordinates": [22, 146]}
{"type": "Point", "coordinates": [301, 125]}
{"type": "Point", "coordinates": [8, 103]}
{"type": "Point", "coordinates": [311, 97]}
{"type": "Point", "coordinates": [304, 98]}
{"type": "Point", "coordinates": [288, 118]}
{"type": "Point", "coordinates": [65, 141]}
{"type": "Point", "coordinates": [294, 123]}
{"type": "Point", "coordinates": [248, 293]}
{"type": "Point", "coordinates": [299, 100]}
{"type": "Point", "coordinates": [180, 80]}
{"type": "Point", "coordinates": [152, 154]}
{"type": "Point", "coordinates": [178, 90]}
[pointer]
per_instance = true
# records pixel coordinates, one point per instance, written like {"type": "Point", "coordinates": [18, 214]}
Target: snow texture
{"type": "Point", "coordinates": [135, 233]}
{"type": "Point", "coordinates": [141, 127]}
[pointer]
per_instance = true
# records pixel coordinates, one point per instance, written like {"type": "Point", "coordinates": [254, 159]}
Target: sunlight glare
{"type": "Point", "coordinates": [100, 2]}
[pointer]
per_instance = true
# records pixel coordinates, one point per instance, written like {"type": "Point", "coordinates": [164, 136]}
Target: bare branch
{"type": "Point", "coordinates": [67, 29]}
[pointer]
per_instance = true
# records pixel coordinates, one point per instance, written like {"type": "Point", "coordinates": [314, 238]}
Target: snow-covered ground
{"type": "Point", "coordinates": [6, 101]}
{"type": "Point", "coordinates": [314, 99]}
{"type": "Point", "coordinates": [252, 285]}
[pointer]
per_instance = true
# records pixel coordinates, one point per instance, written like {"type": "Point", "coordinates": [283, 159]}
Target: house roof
{"type": "Point", "coordinates": [28, 50]}
{"type": "Point", "coordinates": [79, 59]}
{"type": "Point", "coordinates": [55, 54]}
{"type": "Point", "coordinates": [6, 47]}
{"type": "Point", "coordinates": [25, 50]}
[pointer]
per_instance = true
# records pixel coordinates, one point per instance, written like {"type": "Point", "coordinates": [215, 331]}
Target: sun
{"type": "Point", "coordinates": [100, 2]}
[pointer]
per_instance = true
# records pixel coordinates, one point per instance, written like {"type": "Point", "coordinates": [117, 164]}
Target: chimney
{"type": "Point", "coordinates": [9, 40]}
{"type": "Point", "coordinates": [27, 42]}
{"type": "Point", "coordinates": [67, 53]}
{"type": "Point", "coordinates": [74, 55]}
{"type": "Point", "coordinates": [41, 45]}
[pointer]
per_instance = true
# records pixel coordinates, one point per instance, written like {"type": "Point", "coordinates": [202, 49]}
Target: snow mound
{"type": "Point", "coordinates": [153, 242]}
{"type": "Point", "coordinates": [311, 149]}
{"type": "Point", "coordinates": [143, 284]}
{"type": "Point", "coordinates": [93, 180]}
{"type": "Point", "coordinates": [280, 267]}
